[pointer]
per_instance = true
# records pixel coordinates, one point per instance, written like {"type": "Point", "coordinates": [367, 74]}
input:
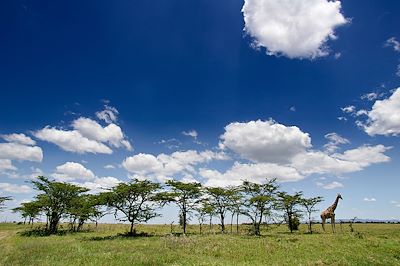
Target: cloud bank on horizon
{"type": "Point", "coordinates": [252, 150]}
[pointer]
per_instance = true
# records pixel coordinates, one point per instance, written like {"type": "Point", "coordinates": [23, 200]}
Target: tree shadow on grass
{"type": "Point", "coordinates": [126, 235]}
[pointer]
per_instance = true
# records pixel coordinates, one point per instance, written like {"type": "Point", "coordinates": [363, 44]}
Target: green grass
{"type": "Point", "coordinates": [373, 244]}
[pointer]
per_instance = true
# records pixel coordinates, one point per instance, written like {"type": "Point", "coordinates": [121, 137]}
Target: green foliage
{"type": "Point", "coordinates": [137, 201]}
{"type": "Point", "coordinates": [258, 201]}
{"type": "Point", "coordinates": [220, 199]}
{"type": "Point", "coordinates": [185, 195]}
{"type": "Point", "coordinates": [56, 199]}
{"type": "Point", "coordinates": [2, 201]}
{"type": "Point", "coordinates": [309, 205]}
{"type": "Point", "coordinates": [29, 210]}
{"type": "Point", "coordinates": [289, 205]}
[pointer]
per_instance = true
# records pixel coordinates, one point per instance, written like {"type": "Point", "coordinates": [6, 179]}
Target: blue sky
{"type": "Point", "coordinates": [212, 91]}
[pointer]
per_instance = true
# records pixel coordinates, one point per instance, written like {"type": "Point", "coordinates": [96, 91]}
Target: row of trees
{"type": "Point", "coordinates": [138, 201]}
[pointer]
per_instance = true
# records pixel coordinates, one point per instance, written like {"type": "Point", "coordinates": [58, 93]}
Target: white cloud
{"type": "Point", "coordinates": [265, 141]}
{"type": "Point", "coordinates": [316, 162]}
{"type": "Point", "coordinates": [332, 185]}
{"type": "Point", "coordinates": [71, 141]}
{"type": "Point", "coordinates": [288, 27]}
{"type": "Point", "coordinates": [292, 108]}
{"type": "Point", "coordinates": [6, 165]}
{"type": "Point", "coordinates": [392, 42]}
{"type": "Point", "coordinates": [384, 118]}
{"type": "Point", "coordinates": [349, 109]}
{"type": "Point", "coordinates": [109, 166]}
{"type": "Point", "coordinates": [369, 199]}
{"type": "Point", "coordinates": [334, 141]}
{"type": "Point", "coordinates": [163, 165]}
{"type": "Point", "coordinates": [108, 115]}
{"type": "Point", "coordinates": [13, 188]}
{"type": "Point", "coordinates": [191, 133]}
{"type": "Point", "coordinates": [342, 118]}
{"type": "Point", "coordinates": [16, 151]}
{"type": "Point", "coordinates": [19, 138]}
{"type": "Point", "coordinates": [257, 172]}
{"type": "Point", "coordinates": [365, 155]}
{"type": "Point", "coordinates": [92, 130]}
{"type": "Point", "coordinates": [100, 184]}
{"type": "Point", "coordinates": [71, 171]}
{"type": "Point", "coordinates": [370, 96]}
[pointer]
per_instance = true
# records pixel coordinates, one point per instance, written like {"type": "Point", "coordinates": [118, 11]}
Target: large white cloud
{"type": "Point", "coordinates": [92, 130]}
{"type": "Point", "coordinates": [365, 155]}
{"type": "Point", "coordinates": [294, 28]}
{"type": "Point", "coordinates": [100, 184]}
{"type": "Point", "coordinates": [164, 165]}
{"type": "Point", "coordinates": [19, 138]}
{"type": "Point", "coordinates": [265, 141]}
{"type": "Point", "coordinates": [71, 171]}
{"type": "Point", "coordinates": [384, 118]}
{"type": "Point", "coordinates": [72, 141]}
{"type": "Point", "coordinates": [257, 172]}
{"type": "Point", "coordinates": [16, 151]}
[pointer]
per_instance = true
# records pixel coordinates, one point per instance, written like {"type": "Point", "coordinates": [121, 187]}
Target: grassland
{"type": "Point", "coordinates": [372, 244]}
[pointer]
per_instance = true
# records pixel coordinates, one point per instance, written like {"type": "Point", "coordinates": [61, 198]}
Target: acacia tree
{"type": "Point", "coordinates": [185, 195]}
{"type": "Point", "coordinates": [2, 201]}
{"type": "Point", "coordinates": [289, 205]}
{"type": "Point", "coordinates": [83, 208]}
{"type": "Point", "coordinates": [258, 201]}
{"type": "Point", "coordinates": [235, 206]}
{"type": "Point", "coordinates": [136, 200]}
{"type": "Point", "coordinates": [29, 210]}
{"type": "Point", "coordinates": [56, 199]}
{"type": "Point", "coordinates": [309, 204]}
{"type": "Point", "coordinates": [220, 199]}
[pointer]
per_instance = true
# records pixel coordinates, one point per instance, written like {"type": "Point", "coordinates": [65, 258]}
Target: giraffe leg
{"type": "Point", "coordinates": [323, 223]}
{"type": "Point", "coordinates": [333, 224]}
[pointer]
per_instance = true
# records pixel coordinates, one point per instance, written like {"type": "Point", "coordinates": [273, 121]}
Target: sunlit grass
{"type": "Point", "coordinates": [372, 244]}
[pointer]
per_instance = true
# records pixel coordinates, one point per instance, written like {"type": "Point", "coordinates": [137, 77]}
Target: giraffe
{"type": "Point", "coordinates": [329, 213]}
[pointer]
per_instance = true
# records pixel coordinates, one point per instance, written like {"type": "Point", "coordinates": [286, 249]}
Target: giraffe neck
{"type": "Point", "coordinates": [334, 205]}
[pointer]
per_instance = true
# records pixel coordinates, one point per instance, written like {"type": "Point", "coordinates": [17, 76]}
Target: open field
{"type": "Point", "coordinates": [373, 244]}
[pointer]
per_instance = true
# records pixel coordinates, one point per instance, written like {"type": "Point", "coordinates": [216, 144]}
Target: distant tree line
{"type": "Point", "coordinates": [138, 201]}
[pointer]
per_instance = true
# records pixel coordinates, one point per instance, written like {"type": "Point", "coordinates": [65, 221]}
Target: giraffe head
{"type": "Point", "coordinates": [339, 196]}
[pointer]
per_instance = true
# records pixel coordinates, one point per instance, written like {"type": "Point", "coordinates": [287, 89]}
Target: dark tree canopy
{"type": "Point", "coordinates": [3, 200]}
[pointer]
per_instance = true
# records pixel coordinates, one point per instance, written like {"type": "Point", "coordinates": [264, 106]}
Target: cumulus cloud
{"type": "Point", "coordinates": [163, 165]}
{"type": "Point", "coordinates": [257, 172]}
{"type": "Point", "coordinates": [71, 171]}
{"type": "Point", "coordinates": [365, 155]}
{"type": "Point", "coordinates": [71, 141]}
{"type": "Point", "coordinates": [108, 115]}
{"type": "Point", "coordinates": [265, 141]}
{"type": "Point", "coordinates": [289, 28]}
{"type": "Point", "coordinates": [332, 185]}
{"type": "Point", "coordinates": [100, 184]}
{"type": "Point", "coordinates": [384, 118]}
{"type": "Point", "coordinates": [92, 130]}
{"type": "Point", "coordinates": [13, 188]}
{"type": "Point", "coordinates": [19, 138]}
{"type": "Point", "coordinates": [109, 166]}
{"type": "Point", "coordinates": [16, 151]}
{"type": "Point", "coordinates": [6, 165]}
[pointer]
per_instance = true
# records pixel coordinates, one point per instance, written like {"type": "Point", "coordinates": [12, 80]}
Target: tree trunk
{"type": "Point", "coordinates": [131, 230]}
{"type": "Point", "coordinates": [237, 223]}
{"type": "Point", "coordinates": [184, 222]}
{"type": "Point", "coordinates": [233, 214]}
{"type": "Point", "coordinates": [53, 223]}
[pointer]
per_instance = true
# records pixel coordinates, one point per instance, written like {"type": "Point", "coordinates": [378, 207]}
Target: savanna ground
{"type": "Point", "coordinates": [371, 244]}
